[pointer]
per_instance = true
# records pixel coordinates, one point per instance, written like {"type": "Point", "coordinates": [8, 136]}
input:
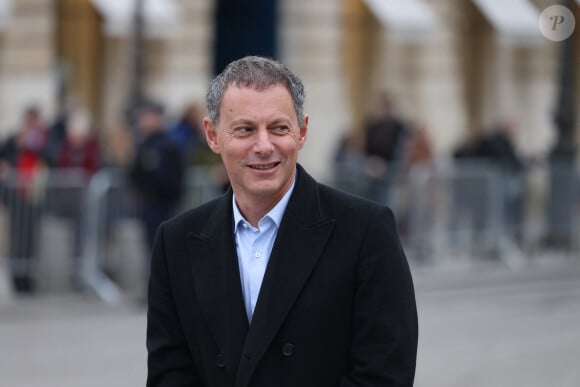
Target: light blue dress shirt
{"type": "Point", "coordinates": [254, 246]}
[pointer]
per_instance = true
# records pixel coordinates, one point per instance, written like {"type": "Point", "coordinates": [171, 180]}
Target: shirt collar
{"type": "Point", "coordinates": [275, 213]}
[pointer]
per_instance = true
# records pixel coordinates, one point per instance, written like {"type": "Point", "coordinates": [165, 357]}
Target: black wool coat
{"type": "Point", "coordinates": [336, 306]}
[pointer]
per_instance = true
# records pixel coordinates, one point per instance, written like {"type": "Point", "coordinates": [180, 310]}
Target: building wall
{"type": "Point", "coordinates": [178, 65]}
{"type": "Point", "coordinates": [188, 57]}
{"type": "Point", "coordinates": [27, 72]}
{"type": "Point", "coordinates": [426, 78]}
{"type": "Point", "coordinates": [464, 78]}
{"type": "Point", "coordinates": [310, 45]}
{"type": "Point", "coordinates": [458, 82]}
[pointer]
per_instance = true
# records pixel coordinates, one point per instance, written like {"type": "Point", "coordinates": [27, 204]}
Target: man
{"type": "Point", "coordinates": [281, 281]}
{"type": "Point", "coordinates": [157, 172]}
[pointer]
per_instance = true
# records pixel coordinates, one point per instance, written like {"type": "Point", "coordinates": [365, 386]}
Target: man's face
{"type": "Point", "coordinates": [258, 138]}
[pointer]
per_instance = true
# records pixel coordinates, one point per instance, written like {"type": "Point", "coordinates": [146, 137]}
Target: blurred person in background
{"type": "Point", "coordinates": [157, 172]}
{"type": "Point", "coordinates": [418, 201]}
{"type": "Point", "coordinates": [80, 147]}
{"type": "Point", "coordinates": [188, 135]}
{"type": "Point", "coordinates": [281, 281]}
{"type": "Point", "coordinates": [57, 131]}
{"type": "Point", "coordinates": [418, 148]}
{"type": "Point", "coordinates": [384, 147]}
{"type": "Point", "coordinates": [349, 166]}
{"type": "Point", "coordinates": [187, 132]}
{"type": "Point", "coordinates": [120, 150]}
{"type": "Point", "coordinates": [498, 148]}
{"type": "Point", "coordinates": [22, 166]}
{"type": "Point", "coordinates": [493, 151]}
{"type": "Point", "coordinates": [77, 160]}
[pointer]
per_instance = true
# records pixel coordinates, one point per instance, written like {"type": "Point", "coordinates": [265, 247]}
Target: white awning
{"type": "Point", "coordinates": [516, 21]}
{"type": "Point", "coordinates": [407, 20]}
{"type": "Point", "coordinates": [5, 13]}
{"type": "Point", "coordinates": [160, 16]}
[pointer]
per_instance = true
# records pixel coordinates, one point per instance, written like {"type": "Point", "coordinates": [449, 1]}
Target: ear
{"type": "Point", "coordinates": [303, 133]}
{"type": "Point", "coordinates": [211, 135]}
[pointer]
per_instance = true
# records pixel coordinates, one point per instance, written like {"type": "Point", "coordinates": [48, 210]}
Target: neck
{"type": "Point", "coordinates": [255, 209]}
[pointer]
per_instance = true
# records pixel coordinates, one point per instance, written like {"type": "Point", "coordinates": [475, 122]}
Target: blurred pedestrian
{"type": "Point", "coordinates": [499, 149]}
{"type": "Point", "coordinates": [188, 135]}
{"type": "Point", "coordinates": [58, 128]}
{"type": "Point", "coordinates": [418, 200]}
{"type": "Point", "coordinates": [80, 149]}
{"type": "Point", "coordinates": [187, 132]}
{"type": "Point", "coordinates": [384, 148]}
{"type": "Point", "coordinates": [22, 168]}
{"type": "Point", "coordinates": [281, 281]}
{"type": "Point", "coordinates": [77, 160]}
{"type": "Point", "coordinates": [120, 150]}
{"type": "Point", "coordinates": [418, 148]}
{"type": "Point", "coordinates": [349, 166]}
{"type": "Point", "coordinates": [157, 173]}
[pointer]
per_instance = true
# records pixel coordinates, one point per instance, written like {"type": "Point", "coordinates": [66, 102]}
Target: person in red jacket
{"type": "Point", "coordinates": [22, 161]}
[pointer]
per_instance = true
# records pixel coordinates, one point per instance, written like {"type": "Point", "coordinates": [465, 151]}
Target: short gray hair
{"type": "Point", "coordinates": [259, 73]}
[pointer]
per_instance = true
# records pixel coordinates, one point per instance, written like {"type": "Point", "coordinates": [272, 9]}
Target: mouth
{"type": "Point", "coordinates": [264, 167]}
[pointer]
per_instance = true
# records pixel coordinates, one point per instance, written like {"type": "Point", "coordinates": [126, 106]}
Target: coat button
{"type": "Point", "coordinates": [288, 349]}
{"type": "Point", "coordinates": [220, 361]}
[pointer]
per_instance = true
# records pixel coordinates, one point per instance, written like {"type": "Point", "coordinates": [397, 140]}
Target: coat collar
{"type": "Point", "coordinates": [301, 238]}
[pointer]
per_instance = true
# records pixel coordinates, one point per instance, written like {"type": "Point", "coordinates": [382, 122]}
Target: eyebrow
{"type": "Point", "coordinates": [276, 121]}
{"type": "Point", "coordinates": [242, 121]}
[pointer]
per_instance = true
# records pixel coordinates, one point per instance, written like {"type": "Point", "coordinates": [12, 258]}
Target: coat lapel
{"type": "Point", "coordinates": [301, 238]}
{"type": "Point", "coordinates": [217, 283]}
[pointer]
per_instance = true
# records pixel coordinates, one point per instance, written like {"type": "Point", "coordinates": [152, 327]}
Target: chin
{"type": "Point", "coordinates": [265, 191]}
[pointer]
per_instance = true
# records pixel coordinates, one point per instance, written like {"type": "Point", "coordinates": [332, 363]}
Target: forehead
{"type": "Point", "coordinates": [249, 100]}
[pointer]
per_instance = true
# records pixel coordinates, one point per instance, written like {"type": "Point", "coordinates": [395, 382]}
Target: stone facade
{"type": "Point", "coordinates": [27, 57]}
{"type": "Point", "coordinates": [458, 81]}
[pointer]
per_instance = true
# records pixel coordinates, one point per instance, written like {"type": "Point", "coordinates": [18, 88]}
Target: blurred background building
{"type": "Point", "coordinates": [405, 99]}
{"type": "Point", "coordinates": [457, 66]}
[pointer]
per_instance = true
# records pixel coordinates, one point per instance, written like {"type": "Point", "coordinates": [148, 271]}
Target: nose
{"type": "Point", "coordinates": [263, 145]}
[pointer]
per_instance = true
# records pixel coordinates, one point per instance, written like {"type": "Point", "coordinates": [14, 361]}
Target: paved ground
{"type": "Point", "coordinates": [485, 326]}
{"type": "Point", "coordinates": [70, 341]}
{"type": "Point", "coordinates": [497, 328]}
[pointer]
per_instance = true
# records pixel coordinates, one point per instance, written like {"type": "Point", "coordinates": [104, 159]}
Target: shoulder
{"type": "Point", "coordinates": [342, 205]}
{"type": "Point", "coordinates": [194, 220]}
{"type": "Point", "coordinates": [325, 202]}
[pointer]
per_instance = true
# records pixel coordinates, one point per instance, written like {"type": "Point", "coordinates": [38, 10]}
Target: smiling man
{"type": "Point", "coordinates": [281, 281]}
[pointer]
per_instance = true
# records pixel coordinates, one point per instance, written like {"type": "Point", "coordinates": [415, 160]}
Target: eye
{"type": "Point", "coordinates": [242, 131]}
{"type": "Point", "coordinates": [281, 129]}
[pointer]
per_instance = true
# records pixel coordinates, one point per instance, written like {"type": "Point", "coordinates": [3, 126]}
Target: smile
{"type": "Point", "coordinates": [264, 167]}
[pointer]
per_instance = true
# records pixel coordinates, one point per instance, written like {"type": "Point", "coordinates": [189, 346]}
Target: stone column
{"type": "Point", "coordinates": [188, 56]}
{"type": "Point", "coordinates": [310, 34]}
{"type": "Point", "coordinates": [27, 63]}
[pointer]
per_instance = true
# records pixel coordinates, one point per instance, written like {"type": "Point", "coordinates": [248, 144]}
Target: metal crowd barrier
{"type": "Point", "coordinates": [472, 209]}
{"type": "Point", "coordinates": [43, 216]}
{"type": "Point", "coordinates": [115, 252]}
{"type": "Point", "coordinates": [458, 209]}
{"type": "Point", "coordinates": [65, 231]}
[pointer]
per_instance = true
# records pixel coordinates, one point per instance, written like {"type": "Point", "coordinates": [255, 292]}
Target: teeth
{"type": "Point", "coordinates": [269, 166]}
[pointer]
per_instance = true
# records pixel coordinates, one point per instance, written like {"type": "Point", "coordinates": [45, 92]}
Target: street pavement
{"type": "Point", "coordinates": [496, 328]}
{"type": "Point", "coordinates": [479, 326]}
